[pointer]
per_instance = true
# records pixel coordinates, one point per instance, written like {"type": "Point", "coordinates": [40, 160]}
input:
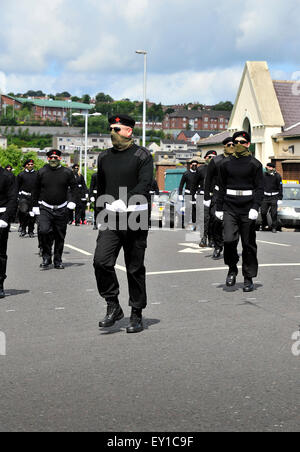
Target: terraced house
{"type": "Point", "coordinates": [45, 110]}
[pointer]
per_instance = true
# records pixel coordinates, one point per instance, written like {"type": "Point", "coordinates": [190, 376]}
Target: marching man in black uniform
{"type": "Point", "coordinates": [51, 195]}
{"type": "Point", "coordinates": [211, 190]}
{"type": "Point", "coordinates": [126, 176]}
{"type": "Point", "coordinates": [26, 182]}
{"type": "Point", "coordinates": [8, 205]}
{"type": "Point", "coordinates": [93, 197]}
{"type": "Point", "coordinates": [207, 239]}
{"type": "Point", "coordinates": [239, 199]}
{"type": "Point", "coordinates": [273, 194]}
{"type": "Point", "coordinates": [83, 196]}
{"type": "Point", "coordinates": [189, 182]}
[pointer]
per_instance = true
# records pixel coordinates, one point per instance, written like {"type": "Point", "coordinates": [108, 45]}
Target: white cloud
{"type": "Point", "coordinates": [195, 46]}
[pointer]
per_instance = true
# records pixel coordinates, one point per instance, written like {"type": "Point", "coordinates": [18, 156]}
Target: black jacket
{"type": "Point", "coordinates": [52, 186]}
{"type": "Point", "coordinates": [93, 187]}
{"type": "Point", "coordinates": [244, 173]}
{"type": "Point", "coordinates": [273, 184]}
{"type": "Point", "coordinates": [212, 177]}
{"type": "Point", "coordinates": [26, 181]}
{"type": "Point", "coordinates": [131, 169]}
{"type": "Point", "coordinates": [189, 181]}
{"type": "Point", "coordinates": [8, 196]}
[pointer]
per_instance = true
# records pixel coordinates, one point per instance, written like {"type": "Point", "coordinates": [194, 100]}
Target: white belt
{"type": "Point", "coordinates": [217, 188]}
{"type": "Point", "coordinates": [188, 192]}
{"type": "Point", "coordinates": [271, 194]}
{"type": "Point", "coordinates": [54, 207]}
{"type": "Point", "coordinates": [2, 209]}
{"type": "Point", "coordinates": [24, 193]}
{"type": "Point", "coordinates": [79, 186]}
{"type": "Point", "coordinates": [239, 192]}
{"type": "Point", "coordinates": [201, 192]}
{"type": "Point", "coordinates": [136, 208]}
{"type": "Point", "coordinates": [95, 192]}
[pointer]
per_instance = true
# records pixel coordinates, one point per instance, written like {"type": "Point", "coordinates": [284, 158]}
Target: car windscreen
{"type": "Point", "coordinates": [291, 193]}
{"type": "Point", "coordinates": [161, 198]}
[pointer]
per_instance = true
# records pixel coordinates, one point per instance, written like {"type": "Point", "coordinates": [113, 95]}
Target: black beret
{"type": "Point", "coordinates": [227, 140]}
{"type": "Point", "coordinates": [123, 120]}
{"type": "Point", "coordinates": [75, 166]}
{"type": "Point", "coordinates": [8, 166]}
{"type": "Point", "coordinates": [242, 134]}
{"type": "Point", "coordinates": [28, 161]}
{"type": "Point", "coordinates": [271, 165]}
{"type": "Point", "coordinates": [54, 152]}
{"type": "Point", "coordinates": [210, 153]}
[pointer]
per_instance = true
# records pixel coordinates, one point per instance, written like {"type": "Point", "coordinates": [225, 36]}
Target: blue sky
{"type": "Point", "coordinates": [197, 48]}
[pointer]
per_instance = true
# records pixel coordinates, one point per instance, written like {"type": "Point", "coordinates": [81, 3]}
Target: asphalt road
{"type": "Point", "coordinates": [210, 358]}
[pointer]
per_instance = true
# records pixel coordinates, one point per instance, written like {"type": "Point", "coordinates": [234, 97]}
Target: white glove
{"type": "Point", "coordinates": [88, 204]}
{"type": "Point", "coordinates": [36, 211]}
{"type": "Point", "coordinates": [207, 203]}
{"type": "Point", "coordinates": [86, 196]}
{"type": "Point", "coordinates": [220, 215]}
{"type": "Point", "coordinates": [31, 214]}
{"type": "Point", "coordinates": [119, 206]}
{"type": "Point", "coordinates": [93, 199]}
{"type": "Point", "coordinates": [71, 206]}
{"type": "Point", "coordinates": [253, 214]}
{"type": "Point", "coordinates": [3, 224]}
{"type": "Point", "coordinates": [279, 203]}
{"type": "Point", "coordinates": [181, 198]}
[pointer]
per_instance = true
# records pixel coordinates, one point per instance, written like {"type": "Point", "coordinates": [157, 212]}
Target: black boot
{"type": "Point", "coordinates": [2, 293]}
{"type": "Point", "coordinates": [47, 262]}
{"type": "Point", "coordinates": [217, 253]}
{"type": "Point", "coordinates": [203, 243]}
{"type": "Point", "coordinates": [231, 278]}
{"type": "Point", "coordinates": [136, 321]}
{"type": "Point", "coordinates": [114, 313]}
{"type": "Point", "coordinates": [248, 285]}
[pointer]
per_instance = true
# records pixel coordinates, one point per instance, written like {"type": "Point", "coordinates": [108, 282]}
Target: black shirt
{"type": "Point", "coordinates": [189, 181]}
{"type": "Point", "coordinates": [52, 186]}
{"type": "Point", "coordinates": [131, 169]}
{"type": "Point", "coordinates": [244, 173]}
{"type": "Point", "coordinates": [273, 184]}
{"type": "Point", "coordinates": [212, 176]}
{"type": "Point", "coordinates": [8, 196]}
{"type": "Point", "coordinates": [26, 181]}
{"type": "Point", "coordinates": [200, 179]}
{"type": "Point", "coordinates": [93, 187]}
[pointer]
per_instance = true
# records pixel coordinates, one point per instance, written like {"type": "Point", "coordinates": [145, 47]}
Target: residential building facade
{"type": "Point", "coordinates": [3, 142]}
{"type": "Point", "coordinates": [45, 110]}
{"type": "Point", "coordinates": [196, 120]}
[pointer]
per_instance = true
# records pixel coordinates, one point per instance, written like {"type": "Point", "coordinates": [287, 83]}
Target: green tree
{"type": "Point", "coordinates": [223, 106]}
{"type": "Point", "coordinates": [103, 98]}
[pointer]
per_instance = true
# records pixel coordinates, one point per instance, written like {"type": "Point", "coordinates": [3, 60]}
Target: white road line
{"type": "Point", "coordinates": [119, 267]}
{"type": "Point", "coordinates": [11, 310]}
{"type": "Point", "coordinates": [273, 243]}
{"type": "Point", "coordinates": [197, 270]}
{"type": "Point", "coordinates": [78, 250]}
{"type": "Point", "coordinates": [59, 309]}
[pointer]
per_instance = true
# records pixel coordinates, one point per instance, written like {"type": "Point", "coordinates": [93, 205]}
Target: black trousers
{"type": "Point", "coordinates": [26, 221]}
{"type": "Point", "coordinates": [207, 232]}
{"type": "Point", "coordinates": [53, 229]}
{"type": "Point", "coordinates": [80, 212]}
{"type": "Point", "coordinates": [216, 228]}
{"type": "Point", "coordinates": [4, 233]}
{"type": "Point", "coordinates": [236, 226]}
{"type": "Point", "coordinates": [109, 245]}
{"type": "Point", "coordinates": [269, 204]}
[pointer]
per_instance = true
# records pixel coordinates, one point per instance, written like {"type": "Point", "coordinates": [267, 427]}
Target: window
{"type": "Point", "coordinates": [94, 140]}
{"type": "Point", "coordinates": [205, 119]}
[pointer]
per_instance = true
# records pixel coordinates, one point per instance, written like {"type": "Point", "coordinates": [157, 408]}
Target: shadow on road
{"type": "Point", "coordinates": [14, 292]}
{"type": "Point", "coordinates": [123, 324]}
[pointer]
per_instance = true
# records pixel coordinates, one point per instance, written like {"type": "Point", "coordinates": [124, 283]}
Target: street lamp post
{"type": "Point", "coordinates": [143, 52]}
{"type": "Point", "coordinates": [86, 115]}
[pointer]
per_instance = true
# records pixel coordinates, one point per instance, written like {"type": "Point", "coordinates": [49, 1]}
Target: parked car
{"type": "Point", "coordinates": [158, 205]}
{"type": "Point", "coordinates": [289, 209]}
{"type": "Point", "coordinates": [174, 212]}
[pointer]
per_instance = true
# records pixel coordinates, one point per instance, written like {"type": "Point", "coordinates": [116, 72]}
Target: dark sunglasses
{"type": "Point", "coordinates": [240, 142]}
{"type": "Point", "coordinates": [116, 129]}
{"type": "Point", "coordinates": [53, 158]}
{"type": "Point", "coordinates": [231, 145]}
